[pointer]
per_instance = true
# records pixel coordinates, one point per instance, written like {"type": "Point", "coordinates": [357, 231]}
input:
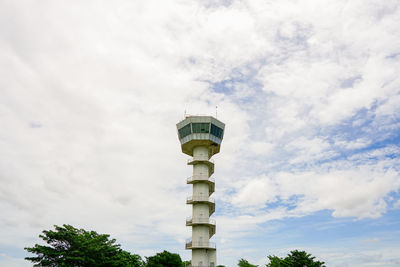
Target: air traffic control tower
{"type": "Point", "coordinates": [201, 138]}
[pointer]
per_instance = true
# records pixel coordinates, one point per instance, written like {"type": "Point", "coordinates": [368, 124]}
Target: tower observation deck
{"type": "Point", "coordinates": [201, 138]}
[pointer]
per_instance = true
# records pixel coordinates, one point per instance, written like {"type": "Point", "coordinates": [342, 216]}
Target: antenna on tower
{"type": "Point", "coordinates": [184, 114]}
{"type": "Point", "coordinates": [216, 112]}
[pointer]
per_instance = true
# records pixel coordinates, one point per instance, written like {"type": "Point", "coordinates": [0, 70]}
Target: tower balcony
{"type": "Point", "coordinates": [201, 178]}
{"type": "Point", "coordinates": [202, 221]}
{"type": "Point", "coordinates": [202, 199]}
{"type": "Point", "coordinates": [200, 244]}
{"type": "Point", "coordinates": [208, 162]}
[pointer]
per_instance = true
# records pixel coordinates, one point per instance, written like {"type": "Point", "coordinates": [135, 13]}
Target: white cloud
{"type": "Point", "coordinates": [261, 148]}
{"type": "Point", "coordinates": [308, 150]}
{"type": "Point", "coordinates": [397, 204]}
{"type": "Point", "coordinates": [255, 192]}
{"type": "Point", "coordinates": [357, 192]}
{"type": "Point", "coordinates": [356, 144]}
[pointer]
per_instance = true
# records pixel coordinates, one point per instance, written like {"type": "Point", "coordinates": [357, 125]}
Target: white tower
{"type": "Point", "coordinates": [201, 137]}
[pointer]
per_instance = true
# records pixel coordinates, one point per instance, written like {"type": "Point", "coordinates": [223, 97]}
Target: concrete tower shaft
{"type": "Point", "coordinates": [201, 137]}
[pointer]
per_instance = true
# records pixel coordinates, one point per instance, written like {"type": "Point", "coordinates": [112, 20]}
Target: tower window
{"type": "Point", "coordinates": [216, 131]}
{"type": "Point", "coordinates": [184, 131]}
{"type": "Point", "coordinates": [201, 127]}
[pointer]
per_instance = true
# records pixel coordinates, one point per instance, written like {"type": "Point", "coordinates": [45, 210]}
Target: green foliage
{"type": "Point", "coordinates": [275, 261]}
{"type": "Point", "coordinates": [186, 263]}
{"type": "Point", "coordinates": [70, 246]}
{"type": "Point", "coordinates": [220, 265]}
{"type": "Point", "coordinates": [295, 259]}
{"type": "Point", "coordinates": [245, 263]}
{"type": "Point", "coordinates": [163, 259]}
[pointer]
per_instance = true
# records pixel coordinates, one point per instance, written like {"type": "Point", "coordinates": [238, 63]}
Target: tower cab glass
{"type": "Point", "coordinates": [200, 130]}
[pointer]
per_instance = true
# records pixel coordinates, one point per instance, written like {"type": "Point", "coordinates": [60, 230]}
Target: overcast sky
{"type": "Point", "coordinates": [91, 91]}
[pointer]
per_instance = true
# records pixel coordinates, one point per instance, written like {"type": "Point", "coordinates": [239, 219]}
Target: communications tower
{"type": "Point", "coordinates": [201, 137]}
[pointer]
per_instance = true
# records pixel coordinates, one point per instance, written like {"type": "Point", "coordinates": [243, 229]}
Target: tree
{"type": "Point", "coordinates": [186, 263]}
{"type": "Point", "coordinates": [295, 259]}
{"type": "Point", "coordinates": [164, 258]}
{"type": "Point", "coordinates": [70, 246]}
{"type": "Point", "coordinates": [275, 261]}
{"type": "Point", "coordinates": [245, 263]}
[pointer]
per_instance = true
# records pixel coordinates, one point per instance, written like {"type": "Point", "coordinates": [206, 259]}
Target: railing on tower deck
{"type": "Point", "coordinates": [200, 244]}
{"type": "Point", "coordinates": [197, 159]}
{"type": "Point", "coordinates": [190, 220]}
{"type": "Point", "coordinates": [200, 178]}
{"type": "Point", "coordinates": [200, 198]}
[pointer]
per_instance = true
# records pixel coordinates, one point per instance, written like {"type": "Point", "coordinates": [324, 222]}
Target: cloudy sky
{"type": "Point", "coordinates": [90, 92]}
